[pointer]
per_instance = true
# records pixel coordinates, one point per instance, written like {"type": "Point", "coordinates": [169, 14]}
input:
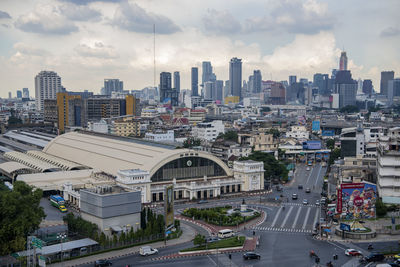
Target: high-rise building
{"type": "Point", "coordinates": [19, 94]}
{"type": "Point", "coordinates": [168, 95]}
{"type": "Point", "coordinates": [292, 79]}
{"type": "Point", "coordinates": [209, 90]}
{"type": "Point", "coordinates": [278, 94]}
{"type": "Point", "coordinates": [235, 77]}
{"type": "Point", "coordinates": [47, 85]}
{"type": "Point", "coordinates": [393, 89]}
{"type": "Point", "coordinates": [207, 72]}
{"type": "Point", "coordinates": [343, 61]}
{"type": "Point", "coordinates": [322, 82]}
{"type": "Point", "coordinates": [386, 76]}
{"type": "Point", "coordinates": [257, 81]}
{"type": "Point", "coordinates": [177, 81]}
{"type": "Point", "coordinates": [25, 92]}
{"type": "Point", "coordinates": [367, 87]}
{"type": "Point", "coordinates": [346, 88]}
{"type": "Point", "coordinates": [113, 85]}
{"type": "Point", "coordinates": [195, 81]}
{"type": "Point", "coordinates": [219, 88]}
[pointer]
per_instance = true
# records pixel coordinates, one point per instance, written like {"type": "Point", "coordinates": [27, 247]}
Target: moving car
{"type": "Point", "coordinates": [202, 202]}
{"type": "Point", "coordinates": [294, 196]}
{"type": "Point", "coordinates": [305, 201]}
{"type": "Point", "coordinates": [300, 186]}
{"type": "Point", "coordinates": [317, 203]}
{"type": "Point", "coordinates": [374, 257]}
{"type": "Point", "coordinates": [308, 168]}
{"type": "Point", "coordinates": [308, 190]}
{"type": "Point", "coordinates": [147, 250]}
{"type": "Point", "coordinates": [101, 263]}
{"type": "Point", "coordinates": [251, 255]}
{"type": "Point", "coordinates": [212, 239]}
{"type": "Point", "coordinates": [352, 252]}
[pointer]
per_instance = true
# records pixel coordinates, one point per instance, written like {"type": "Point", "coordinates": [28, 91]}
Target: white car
{"type": "Point", "coordinates": [147, 250]}
{"type": "Point", "coordinates": [352, 252]}
{"type": "Point", "coordinates": [308, 168]}
{"type": "Point", "coordinates": [305, 202]}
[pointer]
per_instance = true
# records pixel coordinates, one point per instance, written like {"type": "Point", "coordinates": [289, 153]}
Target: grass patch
{"type": "Point", "coordinates": [224, 243]}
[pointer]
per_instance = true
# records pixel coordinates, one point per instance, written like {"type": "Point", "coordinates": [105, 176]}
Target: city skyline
{"type": "Point", "coordinates": [281, 38]}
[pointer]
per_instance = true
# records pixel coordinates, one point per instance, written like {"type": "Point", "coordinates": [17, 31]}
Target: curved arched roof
{"type": "Point", "coordinates": [12, 167]}
{"type": "Point", "coordinates": [111, 155]}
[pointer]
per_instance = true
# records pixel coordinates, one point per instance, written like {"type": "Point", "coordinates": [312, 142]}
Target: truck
{"type": "Point", "coordinates": [58, 202]}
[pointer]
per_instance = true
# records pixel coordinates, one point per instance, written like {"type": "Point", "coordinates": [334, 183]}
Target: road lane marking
{"type": "Point", "coordinates": [311, 171]}
{"type": "Point", "coordinates": [276, 217]}
{"type": "Point", "coordinates": [286, 217]}
{"type": "Point", "coordinates": [297, 217]}
{"type": "Point", "coordinates": [315, 218]}
{"type": "Point", "coordinates": [316, 180]}
{"type": "Point", "coordinates": [306, 219]}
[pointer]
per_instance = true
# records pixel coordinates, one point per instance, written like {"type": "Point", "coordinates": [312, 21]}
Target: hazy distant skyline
{"type": "Point", "coordinates": [87, 41]}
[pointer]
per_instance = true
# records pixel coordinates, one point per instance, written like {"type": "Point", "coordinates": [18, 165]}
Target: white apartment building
{"type": "Point", "coordinates": [47, 85]}
{"type": "Point", "coordinates": [208, 130]}
{"type": "Point", "coordinates": [252, 102]}
{"type": "Point", "coordinates": [388, 168]}
{"type": "Point", "coordinates": [167, 137]}
{"type": "Point", "coordinates": [298, 132]}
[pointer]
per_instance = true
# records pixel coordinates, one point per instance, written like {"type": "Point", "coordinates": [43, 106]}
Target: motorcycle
{"type": "Point", "coordinates": [370, 247]}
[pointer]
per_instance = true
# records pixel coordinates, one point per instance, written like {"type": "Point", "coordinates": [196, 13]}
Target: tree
{"type": "Point", "coordinates": [330, 144]}
{"type": "Point", "coordinates": [381, 209]}
{"type": "Point", "coordinates": [265, 109]}
{"type": "Point", "coordinates": [191, 142]}
{"type": "Point", "coordinates": [143, 219]}
{"type": "Point", "coordinates": [229, 136]}
{"type": "Point", "coordinates": [273, 167]}
{"type": "Point", "coordinates": [20, 215]}
{"type": "Point", "coordinates": [275, 132]}
{"type": "Point", "coordinates": [335, 154]}
{"type": "Point", "coordinates": [349, 109]}
{"type": "Point", "coordinates": [199, 240]}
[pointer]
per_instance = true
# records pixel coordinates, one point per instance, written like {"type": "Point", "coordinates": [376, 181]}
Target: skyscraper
{"type": "Point", "coordinates": [25, 92]}
{"type": "Point", "coordinates": [177, 81]}
{"type": "Point", "coordinates": [322, 82]}
{"type": "Point", "coordinates": [218, 89]}
{"type": "Point", "coordinates": [367, 87]}
{"type": "Point", "coordinates": [47, 85]}
{"type": "Point", "coordinates": [195, 81]}
{"type": "Point", "coordinates": [257, 81]}
{"type": "Point", "coordinates": [343, 61]}
{"type": "Point", "coordinates": [207, 72]}
{"type": "Point", "coordinates": [113, 85]}
{"type": "Point", "coordinates": [235, 77]}
{"type": "Point", "coordinates": [19, 94]}
{"type": "Point", "coordinates": [292, 79]}
{"type": "Point", "coordinates": [386, 76]}
{"type": "Point", "coordinates": [209, 89]}
{"type": "Point", "coordinates": [346, 87]}
{"type": "Point", "coordinates": [168, 95]}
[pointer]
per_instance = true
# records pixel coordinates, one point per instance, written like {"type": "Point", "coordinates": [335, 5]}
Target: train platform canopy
{"type": "Point", "coordinates": [26, 139]}
{"type": "Point", "coordinates": [12, 168]}
{"type": "Point", "coordinates": [55, 180]}
{"type": "Point", "coordinates": [62, 163]}
{"type": "Point", "coordinates": [37, 164]}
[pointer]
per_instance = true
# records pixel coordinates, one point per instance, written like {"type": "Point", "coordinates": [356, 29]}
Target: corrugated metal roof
{"type": "Point", "coordinates": [12, 166]}
{"type": "Point", "coordinates": [26, 139]}
{"type": "Point", "coordinates": [30, 161]}
{"type": "Point", "coordinates": [62, 163]}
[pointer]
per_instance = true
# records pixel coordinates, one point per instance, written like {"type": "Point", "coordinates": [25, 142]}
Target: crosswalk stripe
{"type": "Point", "coordinates": [276, 217]}
{"type": "Point", "coordinates": [315, 218]}
{"type": "Point", "coordinates": [286, 217]}
{"type": "Point", "coordinates": [296, 218]}
{"type": "Point", "coordinates": [305, 220]}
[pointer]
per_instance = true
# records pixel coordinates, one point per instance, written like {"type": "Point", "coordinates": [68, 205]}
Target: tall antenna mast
{"type": "Point", "coordinates": [154, 52]}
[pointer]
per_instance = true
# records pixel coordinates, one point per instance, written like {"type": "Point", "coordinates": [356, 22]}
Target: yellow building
{"type": "Point", "coordinates": [128, 126]}
{"type": "Point", "coordinates": [231, 100]}
{"type": "Point", "coordinates": [63, 109]}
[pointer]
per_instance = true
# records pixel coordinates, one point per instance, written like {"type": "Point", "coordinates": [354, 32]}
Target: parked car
{"type": "Point", "coordinates": [294, 196]}
{"type": "Point", "coordinates": [373, 257]}
{"type": "Point", "coordinates": [352, 252]}
{"type": "Point", "coordinates": [251, 255]}
{"type": "Point", "coordinates": [212, 239]}
{"type": "Point", "coordinates": [308, 168]}
{"type": "Point", "coordinates": [101, 263]}
{"type": "Point", "coordinates": [308, 190]}
{"type": "Point", "coordinates": [305, 201]}
{"type": "Point", "coordinates": [147, 250]}
{"type": "Point", "coordinates": [300, 186]}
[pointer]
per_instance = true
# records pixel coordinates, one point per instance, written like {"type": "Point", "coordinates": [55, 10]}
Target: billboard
{"type": "Point", "coordinates": [357, 200]}
{"type": "Point", "coordinates": [328, 133]}
{"type": "Point", "coordinates": [307, 145]}
{"type": "Point", "coordinates": [316, 126]}
{"type": "Point", "coordinates": [169, 205]}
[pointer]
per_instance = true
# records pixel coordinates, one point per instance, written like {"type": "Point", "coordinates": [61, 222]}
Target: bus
{"type": "Point", "coordinates": [225, 233]}
{"type": "Point", "coordinates": [58, 202]}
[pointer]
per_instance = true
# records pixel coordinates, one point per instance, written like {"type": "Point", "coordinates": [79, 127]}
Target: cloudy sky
{"type": "Point", "coordinates": [85, 41]}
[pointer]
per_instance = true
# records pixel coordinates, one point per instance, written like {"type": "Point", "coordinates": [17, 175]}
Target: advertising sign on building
{"type": "Point", "coordinates": [169, 205]}
{"type": "Point", "coordinates": [316, 126]}
{"type": "Point", "coordinates": [357, 200]}
{"type": "Point", "coordinates": [328, 133]}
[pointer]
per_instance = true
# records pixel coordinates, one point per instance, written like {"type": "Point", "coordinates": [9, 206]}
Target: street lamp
{"type": "Point", "coordinates": [62, 236]}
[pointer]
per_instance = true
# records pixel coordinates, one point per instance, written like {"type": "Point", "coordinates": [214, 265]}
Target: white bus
{"type": "Point", "coordinates": [225, 233]}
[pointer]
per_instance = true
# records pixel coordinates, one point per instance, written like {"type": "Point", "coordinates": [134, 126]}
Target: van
{"type": "Point", "coordinates": [225, 233]}
{"type": "Point", "coordinates": [147, 250]}
{"type": "Point", "coordinates": [83, 251]}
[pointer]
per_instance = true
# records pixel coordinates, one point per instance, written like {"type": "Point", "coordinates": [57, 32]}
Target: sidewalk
{"type": "Point", "coordinates": [187, 235]}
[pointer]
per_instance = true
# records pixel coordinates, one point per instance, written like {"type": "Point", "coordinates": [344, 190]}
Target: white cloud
{"type": "Point", "coordinates": [390, 31]}
{"type": "Point", "coordinates": [4, 15]}
{"type": "Point", "coordinates": [132, 17]}
{"type": "Point", "coordinates": [220, 22]}
{"type": "Point", "coordinates": [96, 49]}
{"type": "Point", "coordinates": [79, 13]}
